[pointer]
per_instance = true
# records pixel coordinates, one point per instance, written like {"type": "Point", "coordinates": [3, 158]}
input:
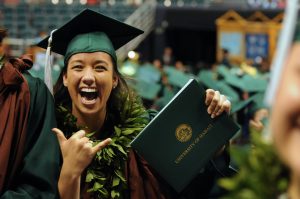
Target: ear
{"type": "Point", "coordinates": [115, 81]}
{"type": "Point", "coordinates": [65, 79]}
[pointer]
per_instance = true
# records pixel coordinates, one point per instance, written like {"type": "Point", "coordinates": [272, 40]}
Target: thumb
{"type": "Point", "coordinates": [101, 145]}
{"type": "Point", "coordinates": [60, 135]}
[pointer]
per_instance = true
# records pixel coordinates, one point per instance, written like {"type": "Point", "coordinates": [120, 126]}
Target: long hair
{"type": "Point", "coordinates": [3, 34]}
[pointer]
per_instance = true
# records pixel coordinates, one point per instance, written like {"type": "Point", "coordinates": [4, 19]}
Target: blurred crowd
{"type": "Point", "coordinates": [86, 2]}
{"type": "Point", "coordinates": [244, 84]}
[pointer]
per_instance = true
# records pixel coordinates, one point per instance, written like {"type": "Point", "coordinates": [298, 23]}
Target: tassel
{"type": "Point", "coordinates": [48, 69]}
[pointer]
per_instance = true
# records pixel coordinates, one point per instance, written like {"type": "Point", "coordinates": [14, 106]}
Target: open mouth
{"type": "Point", "coordinates": [297, 122]}
{"type": "Point", "coordinates": [88, 95]}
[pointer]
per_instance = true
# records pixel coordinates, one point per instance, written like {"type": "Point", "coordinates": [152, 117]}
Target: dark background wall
{"type": "Point", "coordinates": [190, 31]}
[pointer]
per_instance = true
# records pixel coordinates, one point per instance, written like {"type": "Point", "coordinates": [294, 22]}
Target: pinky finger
{"type": "Point", "coordinates": [226, 106]}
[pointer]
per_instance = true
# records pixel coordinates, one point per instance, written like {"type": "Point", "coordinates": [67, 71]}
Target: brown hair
{"type": "Point", "coordinates": [3, 34]}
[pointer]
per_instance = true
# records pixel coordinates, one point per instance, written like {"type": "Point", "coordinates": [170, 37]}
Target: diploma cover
{"type": "Point", "coordinates": [182, 137]}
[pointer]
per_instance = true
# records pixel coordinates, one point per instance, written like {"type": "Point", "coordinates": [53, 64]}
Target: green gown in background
{"type": "Point", "coordinates": [39, 170]}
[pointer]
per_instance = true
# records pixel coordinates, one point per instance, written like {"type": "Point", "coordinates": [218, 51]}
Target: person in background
{"type": "Point", "coordinates": [285, 118]}
{"type": "Point", "coordinates": [168, 58]}
{"type": "Point", "coordinates": [29, 160]}
{"type": "Point", "coordinates": [226, 58]}
{"type": "Point", "coordinates": [181, 67]}
{"type": "Point", "coordinates": [259, 114]}
{"type": "Point", "coordinates": [99, 116]}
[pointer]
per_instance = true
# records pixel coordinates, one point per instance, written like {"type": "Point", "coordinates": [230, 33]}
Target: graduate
{"type": "Point", "coordinates": [29, 160]}
{"type": "Point", "coordinates": [99, 115]}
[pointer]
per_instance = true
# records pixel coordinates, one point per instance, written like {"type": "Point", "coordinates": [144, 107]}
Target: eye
{"type": "Point", "coordinates": [100, 68]}
{"type": "Point", "coordinates": [77, 67]}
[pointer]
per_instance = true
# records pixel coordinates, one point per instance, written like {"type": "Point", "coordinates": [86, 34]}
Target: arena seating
{"type": "Point", "coordinates": [27, 21]}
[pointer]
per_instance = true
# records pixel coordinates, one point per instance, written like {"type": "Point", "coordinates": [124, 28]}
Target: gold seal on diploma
{"type": "Point", "coordinates": [183, 132]}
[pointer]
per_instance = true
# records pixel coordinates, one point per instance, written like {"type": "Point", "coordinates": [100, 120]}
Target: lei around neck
{"type": "Point", "coordinates": [105, 175]}
{"type": "Point", "coordinates": [2, 59]}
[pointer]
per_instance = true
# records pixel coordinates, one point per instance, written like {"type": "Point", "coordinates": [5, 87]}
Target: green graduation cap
{"type": "Point", "coordinates": [247, 83]}
{"type": "Point", "coordinates": [226, 90]}
{"type": "Point", "coordinates": [230, 77]}
{"type": "Point", "coordinates": [147, 90]}
{"type": "Point", "coordinates": [207, 78]}
{"type": "Point", "coordinates": [176, 77]}
{"type": "Point", "coordinates": [90, 31]}
{"type": "Point", "coordinates": [235, 81]}
{"type": "Point", "coordinates": [254, 102]}
{"type": "Point", "coordinates": [254, 83]}
{"type": "Point", "coordinates": [240, 104]}
{"type": "Point", "coordinates": [258, 103]}
{"type": "Point", "coordinates": [165, 99]}
{"type": "Point", "coordinates": [149, 73]}
{"type": "Point", "coordinates": [223, 71]}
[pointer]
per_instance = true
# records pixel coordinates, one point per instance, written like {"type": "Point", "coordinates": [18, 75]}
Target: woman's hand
{"type": "Point", "coordinates": [216, 103]}
{"type": "Point", "coordinates": [77, 151]}
{"type": "Point", "coordinates": [256, 123]}
{"type": "Point", "coordinates": [257, 126]}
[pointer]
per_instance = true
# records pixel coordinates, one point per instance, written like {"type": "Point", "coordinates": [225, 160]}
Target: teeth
{"type": "Point", "coordinates": [88, 90]}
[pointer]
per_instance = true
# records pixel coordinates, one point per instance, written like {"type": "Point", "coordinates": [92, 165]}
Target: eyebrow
{"type": "Point", "coordinates": [95, 62]}
{"type": "Point", "coordinates": [100, 62]}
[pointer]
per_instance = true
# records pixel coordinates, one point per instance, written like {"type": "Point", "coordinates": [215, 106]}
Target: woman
{"type": "Point", "coordinates": [92, 89]}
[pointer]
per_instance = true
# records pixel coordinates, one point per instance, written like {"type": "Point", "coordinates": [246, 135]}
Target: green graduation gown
{"type": "Point", "coordinates": [38, 172]}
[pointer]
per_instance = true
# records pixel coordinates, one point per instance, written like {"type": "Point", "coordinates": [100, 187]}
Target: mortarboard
{"type": "Point", "coordinates": [207, 78]}
{"type": "Point", "coordinates": [146, 90]}
{"type": "Point", "coordinates": [239, 105]}
{"type": "Point", "coordinates": [254, 83]}
{"type": "Point", "coordinates": [258, 103]}
{"type": "Point", "coordinates": [176, 77]}
{"type": "Point", "coordinates": [223, 71]}
{"type": "Point", "coordinates": [254, 102]}
{"type": "Point", "coordinates": [90, 31]}
{"type": "Point", "coordinates": [149, 73]}
{"type": "Point", "coordinates": [247, 83]}
{"type": "Point", "coordinates": [87, 32]}
{"type": "Point", "coordinates": [228, 91]}
{"type": "Point", "coordinates": [165, 99]}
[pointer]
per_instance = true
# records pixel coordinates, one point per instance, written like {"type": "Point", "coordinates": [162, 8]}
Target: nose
{"type": "Point", "coordinates": [88, 77]}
